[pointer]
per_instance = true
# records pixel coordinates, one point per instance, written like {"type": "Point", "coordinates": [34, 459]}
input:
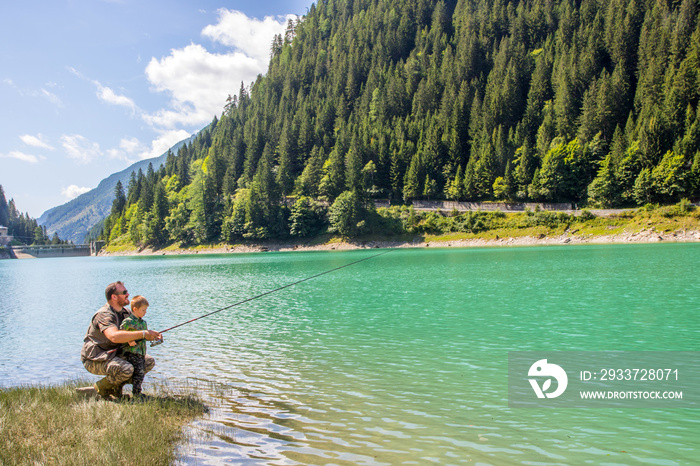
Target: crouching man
{"type": "Point", "coordinates": [103, 339]}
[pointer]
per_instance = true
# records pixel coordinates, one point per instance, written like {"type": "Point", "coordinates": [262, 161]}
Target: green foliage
{"type": "Point", "coordinates": [347, 215]}
{"type": "Point", "coordinates": [308, 217]}
{"type": "Point", "coordinates": [683, 208]}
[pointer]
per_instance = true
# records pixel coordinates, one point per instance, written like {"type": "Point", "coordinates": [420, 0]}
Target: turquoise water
{"type": "Point", "coordinates": [401, 359]}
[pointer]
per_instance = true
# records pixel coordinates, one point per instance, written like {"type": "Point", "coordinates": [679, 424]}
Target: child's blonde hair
{"type": "Point", "coordinates": [139, 302]}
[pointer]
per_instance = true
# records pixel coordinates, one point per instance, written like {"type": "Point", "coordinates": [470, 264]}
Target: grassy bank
{"type": "Point", "coordinates": [626, 224]}
{"type": "Point", "coordinates": [56, 425]}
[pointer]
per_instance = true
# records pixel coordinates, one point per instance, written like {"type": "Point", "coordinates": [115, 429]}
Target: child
{"type": "Point", "coordinates": [134, 352]}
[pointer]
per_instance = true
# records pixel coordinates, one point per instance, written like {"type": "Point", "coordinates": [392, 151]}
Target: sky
{"type": "Point", "coordinates": [88, 87]}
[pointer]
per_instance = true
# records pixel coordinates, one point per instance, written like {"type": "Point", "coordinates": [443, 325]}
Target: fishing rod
{"type": "Point", "coordinates": [158, 342]}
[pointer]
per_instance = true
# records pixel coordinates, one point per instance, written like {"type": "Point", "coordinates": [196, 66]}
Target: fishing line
{"type": "Point", "coordinates": [156, 342]}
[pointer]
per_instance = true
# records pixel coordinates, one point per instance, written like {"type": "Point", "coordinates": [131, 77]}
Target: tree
{"type": "Point", "coordinates": [643, 187]}
{"type": "Point", "coordinates": [119, 200]}
{"type": "Point", "coordinates": [285, 178]}
{"type": "Point", "coordinates": [134, 188]}
{"type": "Point", "coordinates": [264, 214]}
{"type": "Point", "coordinates": [369, 172]}
{"type": "Point", "coordinates": [157, 234]}
{"type": "Point", "coordinates": [346, 215]}
{"type": "Point", "coordinates": [176, 224]}
{"type": "Point", "coordinates": [430, 188]}
{"type": "Point", "coordinates": [308, 217]}
{"type": "Point", "coordinates": [554, 178]}
{"type": "Point", "coordinates": [234, 226]}
{"type": "Point", "coordinates": [353, 169]}
{"type": "Point", "coordinates": [39, 236]}
{"type": "Point", "coordinates": [499, 188]}
{"type": "Point", "coordinates": [411, 185]}
{"type": "Point", "coordinates": [671, 178]}
{"type": "Point", "coordinates": [4, 209]}
{"type": "Point", "coordinates": [308, 182]}
{"type": "Point", "coordinates": [455, 188]}
{"type": "Point", "coordinates": [604, 191]}
{"type": "Point", "coordinates": [333, 180]}
{"type": "Point", "coordinates": [695, 175]}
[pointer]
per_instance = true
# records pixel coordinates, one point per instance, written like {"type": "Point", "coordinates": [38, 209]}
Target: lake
{"type": "Point", "coordinates": [399, 359]}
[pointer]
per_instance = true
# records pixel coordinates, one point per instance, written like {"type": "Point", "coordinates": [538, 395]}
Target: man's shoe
{"type": "Point", "coordinates": [104, 389]}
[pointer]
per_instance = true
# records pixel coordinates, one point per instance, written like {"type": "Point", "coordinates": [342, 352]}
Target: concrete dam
{"type": "Point", "coordinates": [59, 250]}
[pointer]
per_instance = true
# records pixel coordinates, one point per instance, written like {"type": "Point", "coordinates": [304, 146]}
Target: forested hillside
{"type": "Point", "coordinates": [593, 102]}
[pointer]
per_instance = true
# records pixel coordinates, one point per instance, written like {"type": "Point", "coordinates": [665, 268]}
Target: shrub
{"type": "Point", "coordinates": [586, 215]}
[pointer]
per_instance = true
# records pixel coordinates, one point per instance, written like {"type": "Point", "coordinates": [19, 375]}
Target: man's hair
{"type": "Point", "coordinates": [111, 289]}
{"type": "Point", "coordinates": [139, 301]}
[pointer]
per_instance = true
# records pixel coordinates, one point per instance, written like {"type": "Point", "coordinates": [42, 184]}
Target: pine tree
{"type": "Point", "coordinates": [157, 234]}
{"type": "Point", "coordinates": [4, 209]}
{"type": "Point", "coordinates": [412, 187]}
{"type": "Point", "coordinates": [119, 202]}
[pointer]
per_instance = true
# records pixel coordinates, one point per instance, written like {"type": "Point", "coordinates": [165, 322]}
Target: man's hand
{"type": "Point", "coordinates": [153, 335]}
{"type": "Point", "coordinates": [125, 336]}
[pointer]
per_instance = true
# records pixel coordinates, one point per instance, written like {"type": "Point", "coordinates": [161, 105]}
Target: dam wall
{"type": "Point", "coordinates": [46, 251]}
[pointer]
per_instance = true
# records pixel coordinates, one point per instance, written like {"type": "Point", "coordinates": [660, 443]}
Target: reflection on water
{"type": "Point", "coordinates": [399, 359]}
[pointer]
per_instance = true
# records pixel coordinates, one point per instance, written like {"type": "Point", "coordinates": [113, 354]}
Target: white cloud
{"type": "Point", "coordinates": [131, 149]}
{"type": "Point", "coordinates": [199, 81]}
{"type": "Point", "coordinates": [80, 148]}
{"type": "Point", "coordinates": [36, 141]}
{"type": "Point", "coordinates": [109, 96]}
{"type": "Point", "coordinates": [130, 145]}
{"type": "Point", "coordinates": [127, 150]}
{"type": "Point", "coordinates": [73, 191]}
{"type": "Point", "coordinates": [51, 97]}
{"type": "Point", "coordinates": [15, 154]}
{"type": "Point", "coordinates": [43, 93]}
{"type": "Point", "coordinates": [251, 36]}
{"type": "Point", "coordinates": [105, 93]}
{"type": "Point", "coordinates": [164, 142]}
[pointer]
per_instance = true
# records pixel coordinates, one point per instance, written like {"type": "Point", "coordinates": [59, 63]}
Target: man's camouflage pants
{"type": "Point", "coordinates": [116, 370]}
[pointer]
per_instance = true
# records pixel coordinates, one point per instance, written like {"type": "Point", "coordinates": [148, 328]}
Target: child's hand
{"type": "Point", "coordinates": [132, 343]}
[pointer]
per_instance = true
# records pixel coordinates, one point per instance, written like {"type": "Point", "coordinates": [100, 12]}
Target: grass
{"type": "Point", "coordinates": [488, 225]}
{"type": "Point", "coordinates": [56, 425]}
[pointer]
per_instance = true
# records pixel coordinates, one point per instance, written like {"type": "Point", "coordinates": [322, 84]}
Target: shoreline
{"type": "Point", "coordinates": [650, 235]}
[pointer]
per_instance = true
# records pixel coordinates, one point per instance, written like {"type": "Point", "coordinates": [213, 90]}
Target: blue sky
{"type": "Point", "coordinates": [87, 87]}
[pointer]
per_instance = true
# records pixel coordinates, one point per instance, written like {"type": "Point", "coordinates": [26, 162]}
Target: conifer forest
{"type": "Point", "coordinates": [592, 102]}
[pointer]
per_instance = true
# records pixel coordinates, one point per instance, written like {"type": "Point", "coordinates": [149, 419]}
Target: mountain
{"type": "Point", "coordinates": [592, 102]}
{"type": "Point", "coordinates": [74, 219]}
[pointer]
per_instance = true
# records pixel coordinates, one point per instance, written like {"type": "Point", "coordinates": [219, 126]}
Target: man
{"type": "Point", "coordinates": [103, 339]}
